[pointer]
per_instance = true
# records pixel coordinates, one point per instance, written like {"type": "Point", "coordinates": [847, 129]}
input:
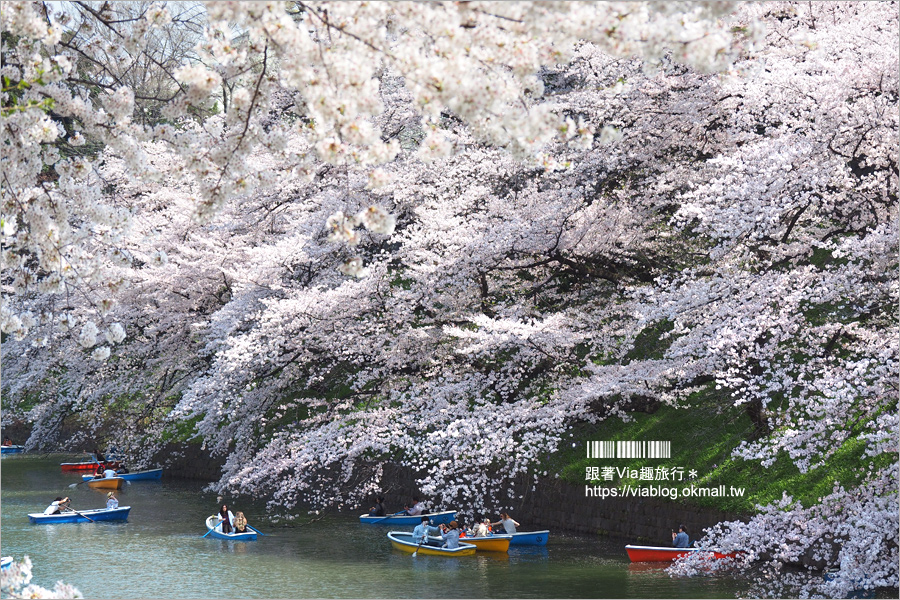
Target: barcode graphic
{"type": "Point", "coordinates": [601, 449]}
{"type": "Point", "coordinates": [642, 449]}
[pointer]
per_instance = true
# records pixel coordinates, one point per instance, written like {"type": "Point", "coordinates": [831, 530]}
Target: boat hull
{"type": "Point", "coordinates": [213, 522]}
{"type": "Point", "coordinates": [409, 520]}
{"type": "Point", "coordinates": [152, 474]}
{"type": "Point", "coordinates": [665, 554]}
{"type": "Point", "coordinates": [100, 514]}
{"type": "Point", "coordinates": [403, 541]}
{"type": "Point", "coordinates": [12, 449]}
{"type": "Point", "coordinates": [107, 483]}
{"type": "Point", "coordinates": [89, 465]}
{"type": "Point", "coordinates": [530, 538]}
{"type": "Point", "coordinates": [491, 543]}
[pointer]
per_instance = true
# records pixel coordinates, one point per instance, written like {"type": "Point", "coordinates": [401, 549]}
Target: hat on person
{"type": "Point", "coordinates": [109, 495]}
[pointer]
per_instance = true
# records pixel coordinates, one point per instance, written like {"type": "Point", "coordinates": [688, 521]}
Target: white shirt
{"type": "Point", "coordinates": [417, 508]}
{"type": "Point", "coordinates": [509, 525]}
{"type": "Point", "coordinates": [109, 473]}
{"type": "Point", "coordinates": [52, 508]}
{"type": "Point", "coordinates": [112, 503]}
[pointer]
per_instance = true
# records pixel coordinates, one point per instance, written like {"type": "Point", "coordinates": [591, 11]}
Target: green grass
{"type": "Point", "coordinates": [703, 438]}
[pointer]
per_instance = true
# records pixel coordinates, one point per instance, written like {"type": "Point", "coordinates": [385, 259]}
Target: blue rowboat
{"type": "Point", "coordinates": [410, 520]}
{"type": "Point", "coordinates": [82, 516]}
{"type": "Point", "coordinates": [5, 562]}
{"type": "Point", "coordinates": [530, 538]}
{"type": "Point", "coordinates": [403, 540]}
{"type": "Point", "coordinates": [11, 449]}
{"type": "Point", "coordinates": [213, 524]}
{"type": "Point", "coordinates": [152, 474]}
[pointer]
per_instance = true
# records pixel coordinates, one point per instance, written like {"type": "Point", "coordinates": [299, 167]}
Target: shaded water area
{"type": "Point", "coordinates": [160, 552]}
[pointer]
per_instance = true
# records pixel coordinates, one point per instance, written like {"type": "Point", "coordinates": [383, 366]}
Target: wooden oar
{"type": "Point", "coordinates": [256, 530]}
{"type": "Point", "coordinates": [389, 516]}
{"type": "Point", "coordinates": [416, 551]}
{"type": "Point", "coordinates": [79, 514]}
{"type": "Point", "coordinates": [210, 531]}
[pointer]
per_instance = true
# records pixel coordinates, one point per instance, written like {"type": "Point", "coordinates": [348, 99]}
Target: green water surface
{"type": "Point", "coordinates": [160, 552]}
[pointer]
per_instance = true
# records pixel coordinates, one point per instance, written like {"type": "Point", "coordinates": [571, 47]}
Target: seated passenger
{"type": "Point", "coordinates": [681, 540]}
{"type": "Point", "coordinates": [450, 535]}
{"type": "Point", "coordinates": [482, 529]}
{"type": "Point", "coordinates": [378, 509]}
{"type": "Point", "coordinates": [240, 522]}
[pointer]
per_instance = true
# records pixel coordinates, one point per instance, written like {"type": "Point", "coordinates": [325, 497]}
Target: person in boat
{"type": "Point", "coordinates": [681, 539]}
{"type": "Point", "coordinates": [378, 509]}
{"type": "Point", "coordinates": [111, 501]}
{"type": "Point", "coordinates": [7, 442]}
{"type": "Point", "coordinates": [98, 456]}
{"type": "Point", "coordinates": [109, 472]}
{"type": "Point", "coordinates": [509, 524]}
{"type": "Point", "coordinates": [98, 474]}
{"type": "Point", "coordinates": [450, 535]}
{"type": "Point", "coordinates": [57, 506]}
{"type": "Point", "coordinates": [122, 469]}
{"type": "Point", "coordinates": [417, 508]}
{"type": "Point", "coordinates": [226, 518]}
{"type": "Point", "coordinates": [482, 529]}
{"type": "Point", "coordinates": [423, 530]}
{"type": "Point", "coordinates": [240, 522]}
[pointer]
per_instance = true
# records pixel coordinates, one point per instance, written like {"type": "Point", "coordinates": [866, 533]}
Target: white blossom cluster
{"type": "Point", "coordinates": [15, 582]}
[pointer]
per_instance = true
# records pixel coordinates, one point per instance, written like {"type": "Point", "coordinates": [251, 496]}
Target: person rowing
{"type": "Point", "coordinates": [57, 506]}
{"type": "Point", "coordinates": [423, 530]}
{"type": "Point", "coordinates": [226, 519]}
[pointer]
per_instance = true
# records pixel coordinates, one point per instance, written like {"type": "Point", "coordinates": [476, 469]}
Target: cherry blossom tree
{"type": "Point", "coordinates": [15, 582]}
{"type": "Point", "coordinates": [430, 234]}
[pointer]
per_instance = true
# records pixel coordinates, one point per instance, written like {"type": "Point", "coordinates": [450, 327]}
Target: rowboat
{"type": "Point", "coordinates": [410, 520]}
{"type": "Point", "coordinates": [667, 554]}
{"type": "Point", "coordinates": [11, 449]}
{"type": "Point", "coordinates": [530, 538]}
{"type": "Point", "coordinates": [151, 474]}
{"type": "Point", "coordinates": [82, 516]}
{"type": "Point", "coordinates": [5, 562]}
{"type": "Point", "coordinates": [491, 543]}
{"type": "Point", "coordinates": [106, 483]}
{"type": "Point", "coordinates": [403, 540]}
{"type": "Point", "coordinates": [90, 465]}
{"type": "Point", "coordinates": [213, 524]}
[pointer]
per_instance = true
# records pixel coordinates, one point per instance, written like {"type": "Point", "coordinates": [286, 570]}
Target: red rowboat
{"type": "Point", "coordinates": [664, 554]}
{"type": "Point", "coordinates": [90, 465]}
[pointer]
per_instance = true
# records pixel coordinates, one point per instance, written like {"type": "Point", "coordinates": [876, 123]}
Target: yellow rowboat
{"type": "Point", "coordinates": [107, 483]}
{"type": "Point", "coordinates": [491, 543]}
{"type": "Point", "coordinates": [403, 540]}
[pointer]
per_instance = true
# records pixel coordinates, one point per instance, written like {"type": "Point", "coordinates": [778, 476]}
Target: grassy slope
{"type": "Point", "coordinates": [703, 438]}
